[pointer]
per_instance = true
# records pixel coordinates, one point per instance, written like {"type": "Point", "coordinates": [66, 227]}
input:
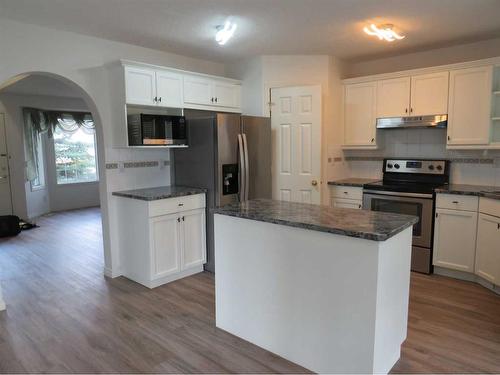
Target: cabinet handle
{"type": "Point", "coordinates": [159, 99]}
{"type": "Point", "coordinates": [345, 192]}
{"type": "Point", "coordinates": [216, 99]}
{"type": "Point", "coordinates": [498, 225]}
{"type": "Point", "coordinates": [373, 140]}
{"type": "Point", "coordinates": [155, 99]}
{"type": "Point", "coordinates": [178, 219]}
{"type": "Point", "coordinates": [411, 110]}
{"type": "Point", "coordinates": [436, 214]}
{"type": "Point", "coordinates": [183, 218]}
{"type": "Point", "coordinates": [449, 138]}
{"type": "Point", "coordinates": [406, 110]}
{"type": "Point", "coordinates": [359, 206]}
{"type": "Point", "coordinates": [456, 202]}
{"type": "Point", "coordinates": [181, 204]}
{"type": "Point", "coordinates": [212, 100]}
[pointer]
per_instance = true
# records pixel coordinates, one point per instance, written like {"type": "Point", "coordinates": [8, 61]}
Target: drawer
{"type": "Point", "coordinates": [346, 203]}
{"type": "Point", "coordinates": [457, 202]}
{"type": "Point", "coordinates": [347, 192]}
{"type": "Point", "coordinates": [489, 206]}
{"type": "Point", "coordinates": [178, 204]}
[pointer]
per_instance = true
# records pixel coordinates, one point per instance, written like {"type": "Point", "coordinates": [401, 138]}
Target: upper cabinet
{"type": "Point", "coordinates": [393, 97]}
{"type": "Point", "coordinates": [140, 86]}
{"type": "Point", "coordinates": [210, 92]}
{"type": "Point", "coordinates": [469, 115]}
{"type": "Point", "coordinates": [169, 89]}
{"type": "Point", "coordinates": [360, 115]}
{"type": "Point", "coordinates": [425, 94]}
{"type": "Point", "coordinates": [429, 94]}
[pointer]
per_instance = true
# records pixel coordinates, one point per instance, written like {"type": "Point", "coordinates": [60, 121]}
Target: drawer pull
{"type": "Point", "coordinates": [345, 192]}
{"type": "Point", "coordinates": [181, 204]}
{"type": "Point", "coordinates": [456, 202]}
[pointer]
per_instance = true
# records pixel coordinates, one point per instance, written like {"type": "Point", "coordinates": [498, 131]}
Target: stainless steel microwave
{"type": "Point", "coordinates": [156, 130]}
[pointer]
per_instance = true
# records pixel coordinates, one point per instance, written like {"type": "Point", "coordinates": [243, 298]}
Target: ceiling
{"type": "Point", "coordinates": [40, 85]}
{"type": "Point", "coordinates": [331, 27]}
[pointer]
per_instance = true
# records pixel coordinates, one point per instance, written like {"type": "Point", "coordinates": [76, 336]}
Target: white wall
{"type": "Point", "coordinates": [81, 60]}
{"type": "Point", "coordinates": [424, 59]}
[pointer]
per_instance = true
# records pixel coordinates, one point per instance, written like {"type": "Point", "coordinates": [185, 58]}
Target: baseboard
{"type": "Point", "coordinates": [2, 305]}
{"type": "Point", "coordinates": [108, 272]}
{"type": "Point", "coordinates": [465, 276]}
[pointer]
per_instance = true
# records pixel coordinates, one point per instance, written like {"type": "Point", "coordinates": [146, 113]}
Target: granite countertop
{"type": "Point", "coordinates": [161, 192]}
{"type": "Point", "coordinates": [370, 225]}
{"type": "Point", "coordinates": [492, 192]}
{"type": "Point", "coordinates": [358, 182]}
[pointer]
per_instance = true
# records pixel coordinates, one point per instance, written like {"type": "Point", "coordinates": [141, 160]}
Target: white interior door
{"type": "Point", "coordinates": [296, 136]}
{"type": "Point", "coordinates": [5, 195]}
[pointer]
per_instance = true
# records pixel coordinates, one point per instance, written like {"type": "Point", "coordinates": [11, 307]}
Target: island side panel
{"type": "Point", "coordinates": [307, 296]}
{"type": "Point", "coordinates": [393, 288]}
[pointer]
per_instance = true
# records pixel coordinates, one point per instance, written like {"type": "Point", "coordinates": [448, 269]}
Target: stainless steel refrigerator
{"type": "Point", "coordinates": [230, 156]}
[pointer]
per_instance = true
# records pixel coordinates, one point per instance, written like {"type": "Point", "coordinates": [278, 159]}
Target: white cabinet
{"type": "Point", "coordinates": [469, 108]}
{"type": "Point", "coordinates": [393, 97]}
{"type": "Point", "coordinates": [162, 240]}
{"type": "Point", "coordinates": [360, 115]}
{"type": "Point", "coordinates": [169, 89]}
{"type": "Point", "coordinates": [488, 248]}
{"type": "Point", "coordinates": [210, 92]}
{"type": "Point", "coordinates": [429, 94]}
{"type": "Point", "coordinates": [151, 87]}
{"type": "Point", "coordinates": [346, 197]}
{"type": "Point", "coordinates": [346, 203]}
{"type": "Point", "coordinates": [140, 86]}
{"type": "Point", "coordinates": [425, 94]}
{"type": "Point", "coordinates": [455, 239]}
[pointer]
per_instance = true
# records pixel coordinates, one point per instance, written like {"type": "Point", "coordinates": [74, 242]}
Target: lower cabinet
{"type": "Point", "coordinates": [455, 239]}
{"type": "Point", "coordinates": [162, 240]}
{"type": "Point", "coordinates": [488, 248]}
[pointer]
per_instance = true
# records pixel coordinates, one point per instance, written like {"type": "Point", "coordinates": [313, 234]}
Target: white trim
{"type": "Point", "coordinates": [439, 68]}
{"type": "Point", "coordinates": [466, 276]}
{"type": "Point", "coordinates": [108, 272]}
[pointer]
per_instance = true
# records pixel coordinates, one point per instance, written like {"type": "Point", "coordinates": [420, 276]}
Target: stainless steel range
{"type": "Point", "coordinates": [408, 188]}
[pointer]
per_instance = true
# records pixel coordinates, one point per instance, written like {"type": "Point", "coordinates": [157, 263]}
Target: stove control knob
{"type": "Point", "coordinates": [439, 168]}
{"type": "Point", "coordinates": [431, 167]}
{"type": "Point", "coordinates": [389, 165]}
{"type": "Point", "coordinates": [396, 166]}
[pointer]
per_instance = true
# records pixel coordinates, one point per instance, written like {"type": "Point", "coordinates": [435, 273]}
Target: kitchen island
{"type": "Point", "coordinates": [323, 287]}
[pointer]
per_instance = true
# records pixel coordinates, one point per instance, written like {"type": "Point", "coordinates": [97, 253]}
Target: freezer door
{"type": "Point", "coordinates": [228, 128]}
{"type": "Point", "coordinates": [257, 131]}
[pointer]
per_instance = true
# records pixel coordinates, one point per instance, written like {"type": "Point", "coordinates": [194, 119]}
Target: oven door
{"type": "Point", "coordinates": [420, 207]}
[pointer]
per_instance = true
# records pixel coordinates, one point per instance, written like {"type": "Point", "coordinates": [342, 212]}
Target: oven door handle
{"type": "Point", "coordinates": [395, 193]}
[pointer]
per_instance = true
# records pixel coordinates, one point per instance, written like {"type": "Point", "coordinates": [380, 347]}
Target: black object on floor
{"type": "Point", "coordinates": [9, 226]}
{"type": "Point", "coordinates": [24, 225]}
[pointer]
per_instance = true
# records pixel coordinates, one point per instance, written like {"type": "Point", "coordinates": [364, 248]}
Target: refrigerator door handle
{"type": "Point", "coordinates": [247, 168]}
{"type": "Point", "coordinates": [241, 168]}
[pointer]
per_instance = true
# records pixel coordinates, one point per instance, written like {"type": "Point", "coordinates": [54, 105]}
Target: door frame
{"type": "Point", "coordinates": [7, 155]}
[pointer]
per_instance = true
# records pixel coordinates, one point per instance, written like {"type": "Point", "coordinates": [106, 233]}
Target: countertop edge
{"type": "Point", "coordinates": [124, 194]}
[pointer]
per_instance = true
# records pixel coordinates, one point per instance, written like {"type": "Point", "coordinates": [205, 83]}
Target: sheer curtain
{"type": "Point", "coordinates": [38, 121]}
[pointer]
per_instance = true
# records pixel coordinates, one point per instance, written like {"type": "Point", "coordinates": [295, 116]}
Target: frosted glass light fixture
{"type": "Point", "coordinates": [225, 32]}
{"type": "Point", "coordinates": [383, 32]}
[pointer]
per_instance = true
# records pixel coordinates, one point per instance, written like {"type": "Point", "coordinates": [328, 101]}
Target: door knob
{"type": "Point", "coordinates": [314, 182]}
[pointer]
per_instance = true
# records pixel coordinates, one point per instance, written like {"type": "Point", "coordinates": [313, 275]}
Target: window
{"type": "Point", "coordinates": [39, 181]}
{"type": "Point", "coordinates": [75, 154]}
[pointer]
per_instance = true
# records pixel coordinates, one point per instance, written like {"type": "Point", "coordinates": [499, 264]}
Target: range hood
{"type": "Point", "coordinates": [433, 121]}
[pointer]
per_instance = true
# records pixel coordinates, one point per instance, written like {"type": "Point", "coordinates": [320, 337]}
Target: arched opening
{"type": "Point", "coordinates": [64, 199]}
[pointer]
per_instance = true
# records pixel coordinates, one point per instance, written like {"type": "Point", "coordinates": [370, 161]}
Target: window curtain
{"type": "Point", "coordinates": [38, 121]}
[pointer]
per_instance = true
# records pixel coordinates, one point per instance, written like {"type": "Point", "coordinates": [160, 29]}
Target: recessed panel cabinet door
{"type": "Point", "coordinates": [169, 89]}
{"type": "Point", "coordinates": [165, 245]}
{"type": "Point", "coordinates": [198, 90]}
{"type": "Point", "coordinates": [194, 239]}
{"type": "Point", "coordinates": [393, 97]}
{"type": "Point", "coordinates": [346, 203]}
{"type": "Point", "coordinates": [469, 107]}
{"type": "Point", "coordinates": [360, 114]}
{"type": "Point", "coordinates": [140, 86]}
{"type": "Point", "coordinates": [488, 248]}
{"type": "Point", "coordinates": [226, 94]}
{"type": "Point", "coordinates": [455, 239]}
{"type": "Point", "coordinates": [429, 94]}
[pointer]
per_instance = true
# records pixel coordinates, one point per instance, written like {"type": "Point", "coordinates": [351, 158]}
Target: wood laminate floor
{"type": "Point", "coordinates": [64, 316]}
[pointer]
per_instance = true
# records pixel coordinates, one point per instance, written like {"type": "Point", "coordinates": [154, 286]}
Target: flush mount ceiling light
{"type": "Point", "coordinates": [225, 32]}
{"type": "Point", "coordinates": [383, 32]}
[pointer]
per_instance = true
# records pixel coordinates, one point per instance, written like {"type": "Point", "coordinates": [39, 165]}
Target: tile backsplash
{"type": "Point", "coordinates": [476, 167]}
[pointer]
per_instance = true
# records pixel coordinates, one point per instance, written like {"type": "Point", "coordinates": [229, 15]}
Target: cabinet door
{"type": "Point", "coordinates": [429, 94]}
{"type": "Point", "coordinates": [169, 89]}
{"type": "Point", "coordinates": [455, 239]}
{"type": "Point", "coordinates": [165, 240]}
{"type": "Point", "coordinates": [226, 94]}
{"type": "Point", "coordinates": [359, 114]}
{"type": "Point", "coordinates": [198, 90]}
{"type": "Point", "coordinates": [140, 86]}
{"type": "Point", "coordinates": [469, 108]}
{"type": "Point", "coordinates": [346, 203]}
{"type": "Point", "coordinates": [488, 248]}
{"type": "Point", "coordinates": [194, 240]}
{"type": "Point", "coordinates": [393, 97]}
